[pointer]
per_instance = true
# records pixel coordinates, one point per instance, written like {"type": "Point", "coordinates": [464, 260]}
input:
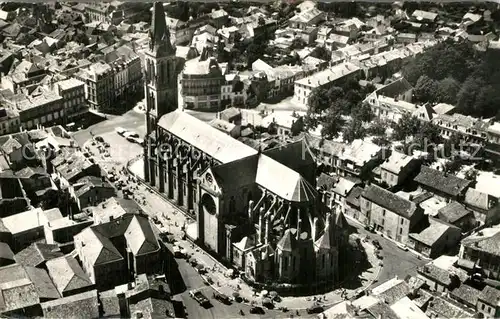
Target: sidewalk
{"type": "Point", "coordinates": [176, 218]}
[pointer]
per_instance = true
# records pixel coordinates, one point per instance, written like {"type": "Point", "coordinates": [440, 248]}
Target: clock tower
{"type": "Point", "coordinates": [160, 81]}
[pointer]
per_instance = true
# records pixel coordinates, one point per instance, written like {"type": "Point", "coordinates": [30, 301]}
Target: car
{"type": "Point", "coordinates": [99, 139]}
{"type": "Point", "coordinates": [377, 244]}
{"type": "Point", "coordinates": [222, 298]}
{"type": "Point", "coordinates": [130, 134]}
{"type": "Point", "coordinates": [403, 247]}
{"type": "Point", "coordinates": [199, 297]}
{"type": "Point", "coordinates": [257, 310]}
{"type": "Point", "coordinates": [314, 309]}
{"type": "Point", "coordinates": [106, 145]}
{"type": "Point", "coordinates": [139, 141]}
{"type": "Point", "coordinates": [120, 130]}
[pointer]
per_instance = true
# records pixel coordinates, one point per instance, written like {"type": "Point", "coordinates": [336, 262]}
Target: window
{"type": "Point", "coordinates": [401, 231]}
{"type": "Point", "coordinates": [383, 222]}
{"type": "Point", "coordinates": [293, 263]}
{"type": "Point", "coordinates": [402, 221]}
{"type": "Point", "coordinates": [383, 212]}
{"type": "Point", "coordinates": [285, 263]}
{"type": "Point", "coordinates": [323, 260]}
{"type": "Point", "coordinates": [482, 307]}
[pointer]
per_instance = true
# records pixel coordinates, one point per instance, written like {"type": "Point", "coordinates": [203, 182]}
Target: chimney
{"type": "Point", "coordinates": [315, 228]}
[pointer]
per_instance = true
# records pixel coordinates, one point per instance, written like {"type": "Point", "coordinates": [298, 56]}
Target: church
{"type": "Point", "coordinates": [258, 210]}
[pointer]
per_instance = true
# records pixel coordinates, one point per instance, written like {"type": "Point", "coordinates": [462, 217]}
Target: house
{"type": "Point", "coordinates": [37, 255]}
{"type": "Point", "coordinates": [469, 129]}
{"type": "Point", "coordinates": [327, 78]}
{"type": "Point", "coordinates": [85, 304]}
{"type": "Point", "coordinates": [150, 298]}
{"type": "Point", "coordinates": [340, 191]}
{"type": "Point", "coordinates": [111, 251]}
{"type": "Point", "coordinates": [397, 168]}
{"type": "Point", "coordinates": [219, 18]}
{"type": "Point", "coordinates": [23, 288]}
{"type": "Point", "coordinates": [406, 38]}
{"type": "Point", "coordinates": [231, 115]}
{"type": "Point", "coordinates": [113, 208]}
{"type": "Point", "coordinates": [389, 213]}
{"type": "Point", "coordinates": [486, 208]}
{"type": "Point", "coordinates": [391, 101]}
{"type": "Point", "coordinates": [350, 28]}
{"type": "Point", "coordinates": [241, 249]}
{"type": "Point", "coordinates": [443, 185]}
{"type": "Point", "coordinates": [436, 239]}
{"type": "Point", "coordinates": [27, 227]}
{"type": "Point", "coordinates": [358, 159]}
{"type": "Point", "coordinates": [457, 215]}
{"type": "Point", "coordinates": [283, 122]}
{"type": "Point", "coordinates": [482, 249]}
{"type": "Point", "coordinates": [68, 276]}
{"type": "Point", "coordinates": [308, 18]}
{"type": "Point", "coordinates": [91, 191]}
{"type": "Point", "coordinates": [466, 295]}
{"type": "Point", "coordinates": [424, 16]}
{"type": "Point", "coordinates": [487, 302]}
{"type": "Point", "coordinates": [441, 275]}
{"type": "Point", "coordinates": [61, 231]}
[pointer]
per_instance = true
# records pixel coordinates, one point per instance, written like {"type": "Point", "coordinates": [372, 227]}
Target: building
{"type": "Point", "coordinates": [72, 92]}
{"type": "Point", "coordinates": [487, 303]}
{"type": "Point", "coordinates": [113, 253]}
{"type": "Point", "coordinates": [486, 208]}
{"type": "Point", "coordinates": [469, 129]}
{"type": "Point", "coordinates": [389, 213]}
{"type": "Point", "coordinates": [91, 190]}
{"type": "Point", "coordinates": [85, 304]}
{"type": "Point", "coordinates": [481, 248]}
{"type": "Point", "coordinates": [272, 197]}
{"type": "Point", "coordinates": [441, 275]}
{"type": "Point", "coordinates": [325, 79]}
{"type": "Point", "coordinates": [358, 159]}
{"type": "Point", "coordinates": [37, 255]}
{"type": "Point", "coordinates": [202, 81]}
{"type": "Point", "coordinates": [443, 185]}
{"type": "Point", "coordinates": [9, 121]}
{"type": "Point", "coordinates": [309, 18]}
{"type": "Point", "coordinates": [436, 239]}
{"type": "Point", "coordinates": [24, 74]}
{"type": "Point", "coordinates": [392, 101]}
{"type": "Point", "coordinates": [68, 277]}
{"type": "Point", "coordinates": [99, 85]}
{"type": "Point", "coordinates": [397, 168]}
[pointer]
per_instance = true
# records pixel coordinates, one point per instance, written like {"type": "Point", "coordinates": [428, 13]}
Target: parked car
{"type": "Point", "coordinates": [403, 247]}
{"type": "Point", "coordinates": [314, 309]}
{"type": "Point", "coordinates": [99, 139]}
{"type": "Point", "coordinates": [377, 244]}
{"type": "Point", "coordinates": [257, 310]}
{"type": "Point", "coordinates": [120, 130]}
{"type": "Point", "coordinates": [199, 297]}
{"type": "Point", "coordinates": [222, 298]}
{"type": "Point", "coordinates": [139, 141]}
{"type": "Point", "coordinates": [130, 134]}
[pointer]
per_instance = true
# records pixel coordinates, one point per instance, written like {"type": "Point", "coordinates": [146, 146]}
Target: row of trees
{"type": "Point", "coordinates": [457, 74]}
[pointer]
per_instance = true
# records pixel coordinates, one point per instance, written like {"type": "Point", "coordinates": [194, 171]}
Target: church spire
{"type": "Point", "coordinates": [159, 35]}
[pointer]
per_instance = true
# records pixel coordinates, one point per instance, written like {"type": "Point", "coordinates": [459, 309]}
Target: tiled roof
{"type": "Point", "coordinates": [390, 201]}
{"type": "Point", "coordinates": [140, 236]}
{"type": "Point", "coordinates": [431, 234]}
{"type": "Point", "coordinates": [202, 136]}
{"type": "Point", "coordinates": [326, 181]}
{"type": "Point", "coordinates": [453, 212]}
{"type": "Point", "coordinates": [444, 308]}
{"type": "Point", "coordinates": [448, 184]}
{"type": "Point", "coordinates": [6, 252]}
{"type": "Point", "coordinates": [67, 274]}
{"type": "Point", "coordinates": [486, 240]}
{"type": "Point", "coordinates": [37, 253]}
{"type": "Point", "coordinates": [382, 310]}
{"type": "Point", "coordinates": [466, 293]}
{"type": "Point", "coordinates": [490, 295]}
{"type": "Point", "coordinates": [396, 162]}
{"type": "Point", "coordinates": [80, 306]}
{"type": "Point", "coordinates": [354, 195]}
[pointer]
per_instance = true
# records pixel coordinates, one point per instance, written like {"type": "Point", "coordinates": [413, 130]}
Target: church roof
{"type": "Point", "coordinates": [287, 242]}
{"type": "Point", "coordinates": [159, 35]}
{"type": "Point", "coordinates": [204, 137]}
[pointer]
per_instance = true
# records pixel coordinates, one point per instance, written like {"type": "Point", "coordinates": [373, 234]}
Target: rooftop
{"type": "Point", "coordinates": [67, 274]}
{"type": "Point", "coordinates": [431, 234]}
{"type": "Point", "coordinates": [396, 162]}
{"type": "Point", "coordinates": [390, 201]}
{"type": "Point", "coordinates": [330, 75]}
{"type": "Point", "coordinates": [448, 184]}
{"type": "Point", "coordinates": [486, 240]}
{"type": "Point", "coordinates": [202, 136]}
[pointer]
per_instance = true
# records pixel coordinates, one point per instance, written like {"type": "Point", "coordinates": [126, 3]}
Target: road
{"type": "Point", "coordinates": [397, 262]}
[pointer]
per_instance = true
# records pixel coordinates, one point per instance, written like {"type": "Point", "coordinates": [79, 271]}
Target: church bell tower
{"type": "Point", "coordinates": [160, 79]}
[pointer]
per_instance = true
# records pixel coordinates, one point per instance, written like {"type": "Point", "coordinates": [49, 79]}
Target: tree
{"type": "Point", "coordinates": [428, 137]}
{"type": "Point", "coordinates": [466, 97]}
{"type": "Point", "coordinates": [318, 100]}
{"type": "Point", "coordinates": [378, 128]}
{"type": "Point", "coordinates": [425, 89]}
{"type": "Point", "coordinates": [353, 130]}
{"type": "Point", "coordinates": [297, 44]}
{"type": "Point", "coordinates": [362, 112]}
{"type": "Point", "coordinates": [447, 90]}
{"type": "Point", "coordinates": [407, 126]}
{"type": "Point", "coordinates": [332, 123]}
{"type": "Point", "coordinates": [297, 126]}
{"type": "Point", "coordinates": [321, 53]}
